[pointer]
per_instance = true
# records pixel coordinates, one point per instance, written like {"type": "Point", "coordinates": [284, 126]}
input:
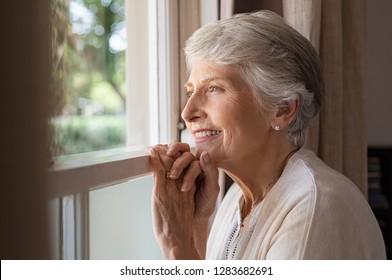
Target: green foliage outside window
{"type": "Point", "coordinates": [78, 134]}
{"type": "Point", "coordinates": [88, 47]}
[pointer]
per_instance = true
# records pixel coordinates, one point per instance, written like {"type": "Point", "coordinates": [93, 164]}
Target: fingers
{"type": "Point", "coordinates": [157, 166]}
{"type": "Point", "coordinates": [177, 148]}
{"type": "Point", "coordinates": [194, 170]}
{"type": "Point", "coordinates": [166, 161]}
{"type": "Point", "coordinates": [178, 161]}
{"type": "Point", "coordinates": [181, 164]}
{"type": "Point", "coordinates": [160, 164]}
{"type": "Point", "coordinates": [182, 156]}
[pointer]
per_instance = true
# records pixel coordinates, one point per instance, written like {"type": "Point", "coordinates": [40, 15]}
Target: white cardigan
{"type": "Point", "coordinates": [312, 212]}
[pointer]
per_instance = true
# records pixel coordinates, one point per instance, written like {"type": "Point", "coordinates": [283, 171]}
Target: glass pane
{"type": "Point", "coordinates": [89, 43]}
{"type": "Point", "coordinates": [120, 222]}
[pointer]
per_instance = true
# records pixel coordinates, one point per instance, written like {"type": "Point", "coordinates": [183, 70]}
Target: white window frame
{"type": "Point", "coordinates": [71, 181]}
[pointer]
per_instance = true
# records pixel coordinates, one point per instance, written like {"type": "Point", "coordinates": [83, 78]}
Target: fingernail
{"type": "Point", "coordinates": [152, 152]}
{"type": "Point", "coordinates": [173, 175]}
{"type": "Point", "coordinates": [184, 188]}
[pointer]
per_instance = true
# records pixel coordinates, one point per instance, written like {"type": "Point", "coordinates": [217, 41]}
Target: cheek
{"type": "Point", "coordinates": [236, 113]}
{"type": "Point", "coordinates": [248, 125]}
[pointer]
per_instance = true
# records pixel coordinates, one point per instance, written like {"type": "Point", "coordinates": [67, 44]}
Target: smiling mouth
{"type": "Point", "coordinates": [204, 135]}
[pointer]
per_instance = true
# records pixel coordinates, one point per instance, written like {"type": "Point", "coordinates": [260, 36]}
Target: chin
{"type": "Point", "coordinates": [199, 151]}
{"type": "Point", "coordinates": [211, 149]}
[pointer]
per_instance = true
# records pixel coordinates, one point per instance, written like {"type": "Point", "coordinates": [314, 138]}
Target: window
{"type": "Point", "coordinates": [86, 187]}
{"type": "Point", "coordinates": [120, 222]}
{"type": "Point", "coordinates": [101, 198]}
{"type": "Point", "coordinates": [89, 74]}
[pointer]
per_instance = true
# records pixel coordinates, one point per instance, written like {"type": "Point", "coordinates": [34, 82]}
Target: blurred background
{"type": "Point", "coordinates": [89, 43]}
{"type": "Point", "coordinates": [82, 89]}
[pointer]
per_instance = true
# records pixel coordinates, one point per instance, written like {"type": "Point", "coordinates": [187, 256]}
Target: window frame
{"type": "Point", "coordinates": [71, 180]}
{"type": "Point", "coordinates": [70, 184]}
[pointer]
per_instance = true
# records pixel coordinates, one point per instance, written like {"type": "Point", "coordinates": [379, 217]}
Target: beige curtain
{"type": "Point", "coordinates": [336, 28]}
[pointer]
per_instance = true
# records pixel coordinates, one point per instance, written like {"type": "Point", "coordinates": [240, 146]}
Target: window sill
{"type": "Point", "coordinates": [90, 171]}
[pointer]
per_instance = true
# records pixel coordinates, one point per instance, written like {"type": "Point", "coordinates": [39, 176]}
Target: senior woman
{"type": "Point", "coordinates": [255, 84]}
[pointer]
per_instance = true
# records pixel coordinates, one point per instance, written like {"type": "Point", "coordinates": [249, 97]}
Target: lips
{"type": "Point", "coordinates": [205, 134]}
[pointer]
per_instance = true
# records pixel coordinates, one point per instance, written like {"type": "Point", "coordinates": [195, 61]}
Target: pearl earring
{"type": "Point", "coordinates": [277, 127]}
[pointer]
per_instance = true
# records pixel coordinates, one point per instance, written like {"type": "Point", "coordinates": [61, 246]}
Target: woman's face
{"type": "Point", "coordinates": [222, 114]}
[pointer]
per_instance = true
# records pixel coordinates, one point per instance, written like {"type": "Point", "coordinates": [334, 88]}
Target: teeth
{"type": "Point", "coordinates": [207, 133]}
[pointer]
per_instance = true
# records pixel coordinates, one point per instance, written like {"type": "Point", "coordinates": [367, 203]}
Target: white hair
{"type": "Point", "coordinates": [277, 62]}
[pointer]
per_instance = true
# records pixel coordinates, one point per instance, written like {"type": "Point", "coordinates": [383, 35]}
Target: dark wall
{"type": "Point", "coordinates": [244, 6]}
{"type": "Point", "coordinates": [25, 73]}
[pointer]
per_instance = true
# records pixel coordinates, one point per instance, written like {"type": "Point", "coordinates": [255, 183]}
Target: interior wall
{"type": "Point", "coordinates": [379, 72]}
{"type": "Point", "coordinates": [245, 6]}
{"type": "Point", "coordinates": [24, 87]}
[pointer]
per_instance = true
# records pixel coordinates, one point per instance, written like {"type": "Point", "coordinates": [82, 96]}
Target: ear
{"type": "Point", "coordinates": [285, 115]}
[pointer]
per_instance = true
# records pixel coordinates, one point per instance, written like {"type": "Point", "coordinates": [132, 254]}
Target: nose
{"type": "Point", "coordinates": [194, 108]}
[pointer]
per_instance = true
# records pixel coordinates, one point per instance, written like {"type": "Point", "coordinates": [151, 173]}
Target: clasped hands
{"type": "Point", "coordinates": [183, 199]}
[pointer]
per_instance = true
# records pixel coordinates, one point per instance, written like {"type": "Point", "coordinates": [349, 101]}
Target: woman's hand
{"type": "Point", "coordinates": [200, 173]}
{"type": "Point", "coordinates": [172, 210]}
{"type": "Point", "coordinates": [184, 197]}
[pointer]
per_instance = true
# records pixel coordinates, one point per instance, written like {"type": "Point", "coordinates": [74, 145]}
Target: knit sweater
{"type": "Point", "coordinates": [312, 212]}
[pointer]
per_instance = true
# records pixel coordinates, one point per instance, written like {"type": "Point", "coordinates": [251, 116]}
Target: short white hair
{"type": "Point", "coordinates": [277, 62]}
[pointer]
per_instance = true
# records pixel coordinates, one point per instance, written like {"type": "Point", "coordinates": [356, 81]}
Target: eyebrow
{"type": "Point", "coordinates": [189, 84]}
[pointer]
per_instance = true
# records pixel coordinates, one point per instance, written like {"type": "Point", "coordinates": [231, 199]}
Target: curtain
{"type": "Point", "coordinates": [336, 28]}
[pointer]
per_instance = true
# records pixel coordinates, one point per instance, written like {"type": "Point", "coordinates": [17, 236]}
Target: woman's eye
{"type": "Point", "coordinates": [213, 88]}
{"type": "Point", "coordinates": [189, 93]}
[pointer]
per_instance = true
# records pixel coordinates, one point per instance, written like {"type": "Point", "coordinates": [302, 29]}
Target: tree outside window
{"type": "Point", "coordinates": [89, 42]}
